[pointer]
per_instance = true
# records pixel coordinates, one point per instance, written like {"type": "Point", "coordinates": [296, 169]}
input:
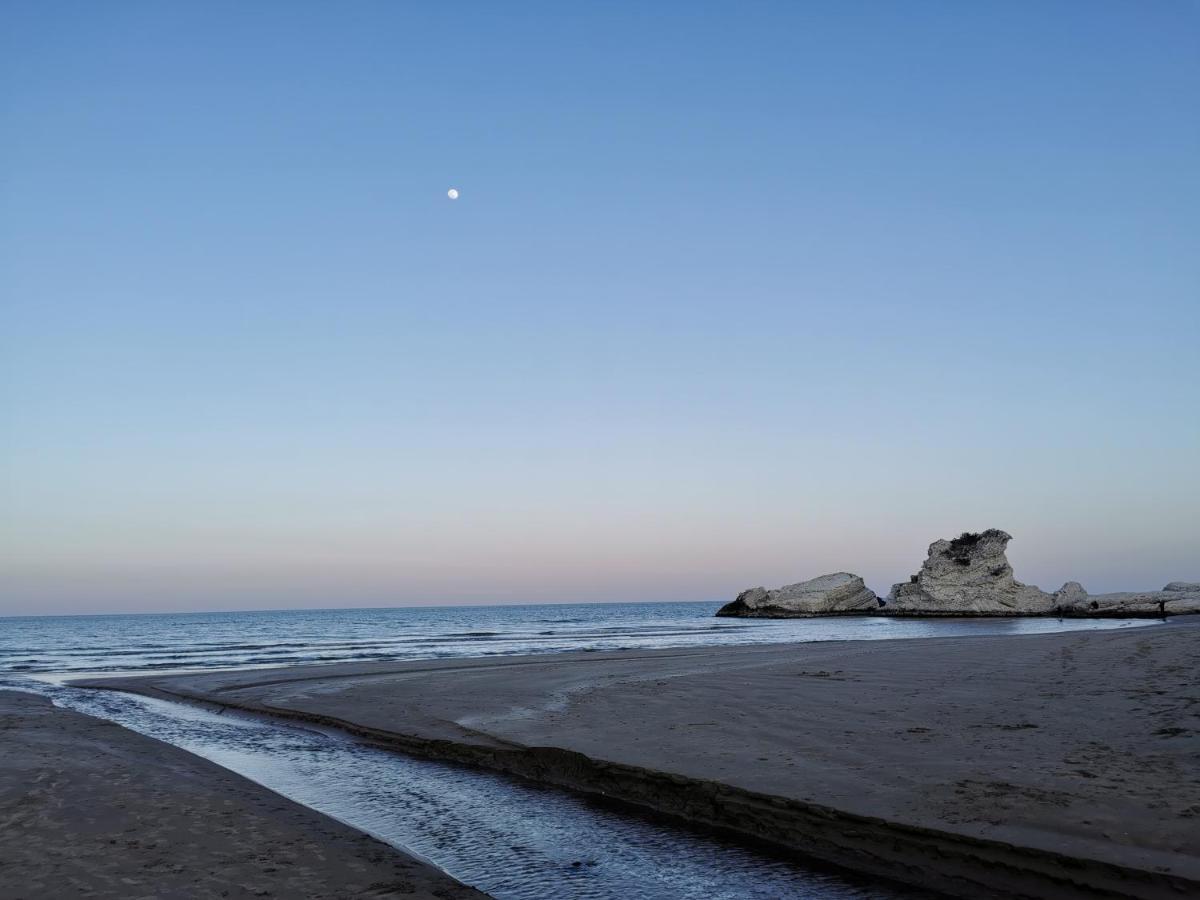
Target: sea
{"type": "Point", "coordinates": [512, 839]}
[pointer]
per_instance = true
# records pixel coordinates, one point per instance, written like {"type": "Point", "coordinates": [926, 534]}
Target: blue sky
{"type": "Point", "coordinates": [734, 294]}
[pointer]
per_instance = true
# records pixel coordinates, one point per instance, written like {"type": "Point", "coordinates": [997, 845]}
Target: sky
{"type": "Point", "coordinates": [734, 294]}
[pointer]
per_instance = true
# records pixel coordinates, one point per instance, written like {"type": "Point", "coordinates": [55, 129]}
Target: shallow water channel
{"type": "Point", "coordinates": [510, 838]}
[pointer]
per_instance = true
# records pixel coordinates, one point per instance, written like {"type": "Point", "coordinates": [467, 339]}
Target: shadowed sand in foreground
{"type": "Point", "coordinates": [92, 809]}
{"type": "Point", "coordinates": [1048, 765]}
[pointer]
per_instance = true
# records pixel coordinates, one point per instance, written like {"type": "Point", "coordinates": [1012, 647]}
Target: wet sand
{"type": "Point", "coordinates": [88, 808]}
{"type": "Point", "coordinates": [1046, 765]}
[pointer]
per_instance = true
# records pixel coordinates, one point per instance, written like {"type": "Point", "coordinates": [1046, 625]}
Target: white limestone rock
{"type": "Point", "coordinates": [839, 594]}
{"type": "Point", "coordinates": [1187, 587]}
{"type": "Point", "coordinates": [967, 576]}
{"type": "Point", "coordinates": [1071, 597]}
{"type": "Point", "coordinates": [1177, 598]}
{"type": "Point", "coordinates": [1178, 601]}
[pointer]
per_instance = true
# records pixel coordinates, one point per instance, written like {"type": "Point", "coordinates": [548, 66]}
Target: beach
{"type": "Point", "coordinates": [599, 451]}
{"type": "Point", "coordinates": [1043, 765]}
{"type": "Point", "coordinates": [93, 809]}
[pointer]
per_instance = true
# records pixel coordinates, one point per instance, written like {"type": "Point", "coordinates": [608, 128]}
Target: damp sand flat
{"type": "Point", "coordinates": [1053, 765]}
{"type": "Point", "coordinates": [91, 809]}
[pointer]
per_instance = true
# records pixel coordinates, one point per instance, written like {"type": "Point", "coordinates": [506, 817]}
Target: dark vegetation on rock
{"type": "Point", "coordinates": [960, 548]}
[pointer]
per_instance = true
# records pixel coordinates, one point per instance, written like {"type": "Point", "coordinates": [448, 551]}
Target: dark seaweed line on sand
{"type": "Point", "coordinates": [954, 864]}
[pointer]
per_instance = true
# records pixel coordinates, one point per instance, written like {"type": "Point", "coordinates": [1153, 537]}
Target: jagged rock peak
{"type": "Point", "coordinates": [967, 575]}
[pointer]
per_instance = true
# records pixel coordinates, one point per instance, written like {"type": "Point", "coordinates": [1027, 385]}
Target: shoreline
{"type": "Point", "coordinates": [578, 721]}
{"type": "Point", "coordinates": [883, 613]}
{"type": "Point", "coordinates": [96, 808]}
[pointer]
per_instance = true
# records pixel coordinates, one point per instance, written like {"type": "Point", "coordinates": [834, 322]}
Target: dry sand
{"type": "Point", "coordinates": [1050, 765]}
{"type": "Point", "coordinates": [88, 808]}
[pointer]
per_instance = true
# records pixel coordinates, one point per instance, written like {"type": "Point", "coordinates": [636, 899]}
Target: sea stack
{"type": "Point", "coordinates": [967, 576]}
{"type": "Point", "coordinates": [838, 594]}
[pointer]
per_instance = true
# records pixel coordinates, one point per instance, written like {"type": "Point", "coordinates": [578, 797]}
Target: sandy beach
{"type": "Point", "coordinates": [1047, 765]}
{"type": "Point", "coordinates": [92, 809]}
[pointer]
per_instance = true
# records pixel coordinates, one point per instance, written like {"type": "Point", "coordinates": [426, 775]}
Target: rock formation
{"type": "Point", "coordinates": [1177, 598]}
{"type": "Point", "coordinates": [1187, 587]}
{"type": "Point", "coordinates": [967, 576]}
{"type": "Point", "coordinates": [1070, 596]}
{"type": "Point", "coordinates": [839, 594]}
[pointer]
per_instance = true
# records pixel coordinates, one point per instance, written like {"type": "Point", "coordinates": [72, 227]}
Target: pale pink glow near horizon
{"type": "Point", "coordinates": [603, 563]}
{"type": "Point", "coordinates": [679, 520]}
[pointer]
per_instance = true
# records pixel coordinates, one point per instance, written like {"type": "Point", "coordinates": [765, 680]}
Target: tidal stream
{"type": "Point", "coordinates": [510, 838]}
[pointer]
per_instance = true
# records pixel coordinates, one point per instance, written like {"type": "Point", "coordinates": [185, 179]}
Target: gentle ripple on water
{"type": "Point", "coordinates": [121, 643]}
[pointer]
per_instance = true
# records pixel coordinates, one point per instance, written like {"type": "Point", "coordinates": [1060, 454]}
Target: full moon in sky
{"type": "Point", "coordinates": [452, 193]}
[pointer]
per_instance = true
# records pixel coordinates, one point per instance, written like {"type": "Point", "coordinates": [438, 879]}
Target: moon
{"type": "Point", "coordinates": [452, 193]}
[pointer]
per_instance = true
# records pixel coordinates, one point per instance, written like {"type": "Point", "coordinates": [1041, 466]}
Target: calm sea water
{"type": "Point", "coordinates": [139, 643]}
{"type": "Point", "coordinates": [514, 840]}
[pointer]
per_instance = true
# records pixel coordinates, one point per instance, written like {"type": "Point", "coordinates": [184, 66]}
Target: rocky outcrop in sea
{"type": "Point", "coordinates": [1176, 598]}
{"type": "Point", "coordinates": [965, 576]}
{"type": "Point", "coordinates": [839, 594]}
